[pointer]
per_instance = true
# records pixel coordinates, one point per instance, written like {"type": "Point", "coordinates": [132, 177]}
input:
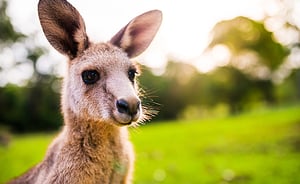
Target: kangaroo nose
{"type": "Point", "coordinates": [129, 108]}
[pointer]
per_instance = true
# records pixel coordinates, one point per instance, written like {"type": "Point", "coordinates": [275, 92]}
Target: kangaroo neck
{"type": "Point", "coordinates": [92, 132]}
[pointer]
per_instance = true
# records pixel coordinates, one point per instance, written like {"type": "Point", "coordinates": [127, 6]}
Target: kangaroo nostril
{"type": "Point", "coordinates": [138, 104]}
{"type": "Point", "coordinates": [122, 106]}
{"type": "Point", "coordinates": [134, 109]}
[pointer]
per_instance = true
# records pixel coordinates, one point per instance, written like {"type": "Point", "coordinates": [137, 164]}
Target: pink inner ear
{"type": "Point", "coordinates": [138, 34]}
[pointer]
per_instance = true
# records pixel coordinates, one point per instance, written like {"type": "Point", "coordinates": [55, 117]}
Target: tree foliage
{"type": "Point", "coordinates": [243, 35]}
{"type": "Point", "coordinates": [8, 34]}
{"type": "Point", "coordinates": [34, 106]}
{"type": "Point", "coordinates": [29, 108]}
{"type": "Point", "coordinates": [182, 86]}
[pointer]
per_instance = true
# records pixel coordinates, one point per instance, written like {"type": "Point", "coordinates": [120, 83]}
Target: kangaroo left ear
{"type": "Point", "coordinates": [137, 35]}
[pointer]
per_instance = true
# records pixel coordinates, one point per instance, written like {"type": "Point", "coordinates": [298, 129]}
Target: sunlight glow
{"type": "Point", "coordinates": [183, 36]}
{"type": "Point", "coordinates": [221, 54]}
{"type": "Point", "coordinates": [218, 56]}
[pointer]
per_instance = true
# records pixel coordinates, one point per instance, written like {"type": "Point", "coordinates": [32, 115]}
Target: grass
{"type": "Point", "coordinates": [258, 147]}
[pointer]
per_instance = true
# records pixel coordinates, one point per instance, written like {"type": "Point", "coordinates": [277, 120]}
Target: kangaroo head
{"type": "Point", "coordinates": [100, 84]}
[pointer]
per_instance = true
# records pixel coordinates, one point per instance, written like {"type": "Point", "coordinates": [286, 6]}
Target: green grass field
{"type": "Point", "coordinates": [261, 147]}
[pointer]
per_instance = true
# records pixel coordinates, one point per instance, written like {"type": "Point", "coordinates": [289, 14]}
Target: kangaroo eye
{"type": "Point", "coordinates": [90, 76]}
{"type": "Point", "coordinates": [131, 74]}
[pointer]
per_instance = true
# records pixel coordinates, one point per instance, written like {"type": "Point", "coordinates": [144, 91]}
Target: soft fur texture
{"type": "Point", "coordinates": [93, 146]}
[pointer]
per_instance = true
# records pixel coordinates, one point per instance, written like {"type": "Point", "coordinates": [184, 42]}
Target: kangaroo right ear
{"type": "Point", "coordinates": [63, 26]}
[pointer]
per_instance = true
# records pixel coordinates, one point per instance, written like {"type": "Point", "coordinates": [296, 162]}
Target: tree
{"type": "Point", "coordinates": [250, 44]}
{"type": "Point", "coordinates": [8, 34]}
{"type": "Point", "coordinates": [254, 52]}
{"type": "Point", "coordinates": [32, 105]}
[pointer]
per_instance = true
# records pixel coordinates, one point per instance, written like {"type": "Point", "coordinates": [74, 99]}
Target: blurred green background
{"type": "Point", "coordinates": [237, 123]}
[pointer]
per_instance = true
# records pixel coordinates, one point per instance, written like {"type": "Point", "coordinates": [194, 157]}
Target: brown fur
{"type": "Point", "coordinates": [93, 146]}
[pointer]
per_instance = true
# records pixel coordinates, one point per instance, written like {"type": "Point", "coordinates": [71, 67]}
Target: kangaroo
{"type": "Point", "coordinates": [99, 99]}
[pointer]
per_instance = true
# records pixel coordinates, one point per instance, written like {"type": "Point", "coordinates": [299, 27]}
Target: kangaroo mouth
{"type": "Point", "coordinates": [124, 124]}
{"type": "Point", "coordinates": [125, 119]}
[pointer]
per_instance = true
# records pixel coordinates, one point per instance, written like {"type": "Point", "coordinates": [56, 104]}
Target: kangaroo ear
{"type": "Point", "coordinates": [137, 35]}
{"type": "Point", "coordinates": [63, 26]}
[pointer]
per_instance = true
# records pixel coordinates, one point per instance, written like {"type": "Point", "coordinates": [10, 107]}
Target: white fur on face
{"type": "Point", "coordinates": [97, 101]}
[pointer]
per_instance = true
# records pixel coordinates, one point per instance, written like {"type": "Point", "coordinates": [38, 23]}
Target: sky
{"type": "Point", "coordinates": [183, 36]}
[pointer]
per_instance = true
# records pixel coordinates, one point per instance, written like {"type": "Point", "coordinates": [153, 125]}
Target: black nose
{"type": "Point", "coordinates": [130, 108]}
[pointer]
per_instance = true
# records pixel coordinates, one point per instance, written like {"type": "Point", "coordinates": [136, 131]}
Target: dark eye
{"type": "Point", "coordinates": [90, 76]}
{"type": "Point", "coordinates": [131, 74]}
